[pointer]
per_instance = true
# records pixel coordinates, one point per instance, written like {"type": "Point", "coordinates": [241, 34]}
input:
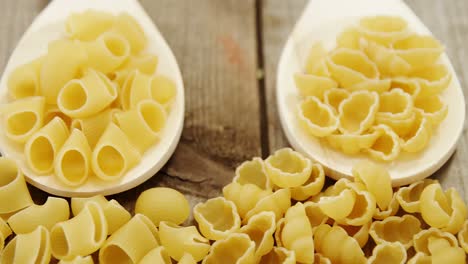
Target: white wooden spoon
{"type": "Point", "coordinates": [323, 20]}
{"type": "Point", "coordinates": [50, 25]}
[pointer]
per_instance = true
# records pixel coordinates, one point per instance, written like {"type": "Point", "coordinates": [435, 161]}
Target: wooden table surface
{"type": "Point", "coordinates": [228, 52]}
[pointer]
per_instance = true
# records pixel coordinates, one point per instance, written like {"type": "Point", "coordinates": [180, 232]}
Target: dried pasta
{"type": "Point", "coordinates": [24, 80]}
{"type": "Point", "coordinates": [5, 232]}
{"type": "Point", "coordinates": [462, 236]}
{"type": "Point", "coordinates": [396, 229]}
{"type": "Point", "coordinates": [287, 168]}
{"type": "Point", "coordinates": [387, 61]}
{"type": "Point", "coordinates": [237, 193]}
{"type": "Point", "coordinates": [376, 180]}
{"type": "Point", "coordinates": [279, 255]}
{"type": "Point", "coordinates": [383, 29]}
{"type": "Point", "coordinates": [234, 249]}
{"type": "Point", "coordinates": [312, 186]}
{"type": "Point", "coordinates": [217, 218]}
{"type": "Point", "coordinates": [54, 210]}
{"type": "Point", "coordinates": [89, 24]}
{"type": "Point", "coordinates": [313, 85]}
{"type": "Point", "coordinates": [33, 247]}
{"type": "Point", "coordinates": [421, 240]}
{"type": "Point", "coordinates": [353, 144]}
{"type": "Point", "coordinates": [260, 229]}
{"type": "Point", "coordinates": [12, 184]}
{"type": "Point", "coordinates": [388, 253]}
{"type": "Point", "coordinates": [334, 96]}
{"type": "Point", "coordinates": [144, 63]}
{"type": "Point", "coordinates": [42, 147]}
{"type": "Point", "coordinates": [317, 118]}
{"type": "Point", "coordinates": [359, 233]}
{"type": "Point", "coordinates": [356, 113]}
{"type": "Point", "coordinates": [432, 108]}
{"type": "Point", "coordinates": [93, 126]}
{"type": "Point", "coordinates": [78, 260]}
{"type": "Point", "coordinates": [179, 240]}
{"type": "Point", "coordinates": [418, 50]}
{"type": "Point", "coordinates": [395, 104]}
{"type": "Point", "coordinates": [187, 259]}
{"type": "Point", "coordinates": [315, 214]}
{"type": "Point", "coordinates": [157, 255]}
{"type": "Point", "coordinates": [387, 146]}
{"type": "Point", "coordinates": [52, 111]}
{"type": "Point", "coordinates": [160, 89]}
{"type": "Point", "coordinates": [277, 202]}
{"type": "Point", "coordinates": [128, 27]}
{"type": "Point", "coordinates": [391, 210]}
{"type": "Point", "coordinates": [316, 60]}
{"type": "Point", "coordinates": [253, 172]}
{"type": "Point", "coordinates": [409, 197]}
{"type": "Point", "coordinates": [297, 234]}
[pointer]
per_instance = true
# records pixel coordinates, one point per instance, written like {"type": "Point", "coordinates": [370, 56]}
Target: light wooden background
{"type": "Point", "coordinates": [228, 51]}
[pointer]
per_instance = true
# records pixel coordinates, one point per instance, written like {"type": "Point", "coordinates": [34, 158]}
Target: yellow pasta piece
{"type": "Point", "coordinates": [339, 206]}
{"type": "Point", "coordinates": [409, 196]}
{"type": "Point", "coordinates": [72, 163]}
{"type": "Point", "coordinates": [287, 168]}
{"type": "Point", "coordinates": [312, 186]}
{"type": "Point", "coordinates": [57, 71]}
{"type": "Point", "coordinates": [34, 247]}
{"type": "Point", "coordinates": [23, 117]}
{"type": "Point", "coordinates": [356, 113]}
{"type": "Point", "coordinates": [315, 214]}
{"type": "Point", "coordinates": [420, 258]}
{"type": "Point", "coordinates": [279, 255]}
{"type": "Point", "coordinates": [217, 218]}
{"type": "Point", "coordinates": [315, 60]}
{"type": "Point", "coordinates": [376, 180]}
{"type": "Point", "coordinates": [352, 144]}
{"type": "Point", "coordinates": [260, 229]}
{"type": "Point", "coordinates": [363, 209]}
{"type": "Point", "coordinates": [143, 124]}
{"type": "Point", "coordinates": [54, 210]}
{"type": "Point", "coordinates": [52, 111]}
{"type": "Point", "coordinates": [387, 146]}
{"type": "Point", "coordinates": [402, 127]}
{"type": "Point", "coordinates": [277, 202]}
{"type": "Point", "coordinates": [408, 85]}
{"type": "Point", "coordinates": [237, 193]}
{"type": "Point", "coordinates": [234, 249]}
{"type": "Point", "coordinates": [462, 236]}
{"type": "Point", "coordinates": [320, 259]}
{"type": "Point", "coordinates": [418, 136]}
{"type": "Point", "coordinates": [279, 232]}
{"type": "Point", "coordinates": [297, 234]}
{"type": "Point", "coordinates": [160, 89]}
{"type": "Point", "coordinates": [144, 62]}
{"type": "Point", "coordinates": [432, 108]}
{"type": "Point", "coordinates": [418, 50]}
{"type": "Point", "coordinates": [131, 242]}
{"type": "Point", "coordinates": [445, 210]}
{"type": "Point", "coordinates": [252, 172]}
{"type": "Point", "coordinates": [87, 96]}
{"type": "Point", "coordinates": [391, 210]}
{"type": "Point", "coordinates": [128, 27]}
{"type": "Point", "coordinates": [12, 184]}
{"type": "Point", "coordinates": [383, 29]}
{"type": "Point", "coordinates": [89, 24]}
{"type": "Point", "coordinates": [135, 80]}
{"type": "Point", "coordinates": [395, 229]}
{"type": "Point", "coordinates": [93, 126]}
{"type": "Point", "coordinates": [157, 255]}
{"type": "Point", "coordinates": [317, 118]}
{"type": "Point", "coordinates": [395, 104]}
{"type": "Point", "coordinates": [163, 204]}
{"type": "Point", "coordinates": [187, 259]}
{"type": "Point", "coordinates": [113, 154]}
{"type": "Point", "coordinates": [24, 81]}
{"type": "Point", "coordinates": [388, 253]}
{"type": "Point", "coordinates": [116, 215]}
{"type": "Point", "coordinates": [453, 255]}
{"type": "Point", "coordinates": [359, 233]}
{"type": "Point", "coordinates": [387, 61]}
{"type": "Point", "coordinates": [42, 147]}
{"type": "Point", "coordinates": [107, 52]}
{"type": "Point", "coordinates": [432, 79]}
{"type": "Point", "coordinates": [5, 232]}
{"type": "Point", "coordinates": [313, 85]}
{"type": "Point", "coordinates": [347, 251]}
{"type": "Point", "coordinates": [78, 260]}
{"type": "Point", "coordinates": [67, 243]}
{"type": "Point", "coordinates": [421, 239]}
{"type": "Point", "coordinates": [349, 38]}
{"type": "Point", "coordinates": [334, 96]}
{"type": "Point", "coordinates": [179, 240]}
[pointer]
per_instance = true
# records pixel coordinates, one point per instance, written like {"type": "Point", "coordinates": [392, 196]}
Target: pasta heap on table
{"type": "Point", "coordinates": [275, 211]}
{"type": "Point", "coordinates": [93, 104]}
{"type": "Point", "coordinates": [377, 92]}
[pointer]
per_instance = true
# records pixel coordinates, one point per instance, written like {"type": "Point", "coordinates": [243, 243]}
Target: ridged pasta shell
{"type": "Point", "coordinates": [235, 248]}
{"type": "Point", "coordinates": [409, 197]}
{"type": "Point", "coordinates": [320, 259]}
{"type": "Point", "coordinates": [12, 184]}
{"type": "Point", "coordinates": [391, 210]}
{"type": "Point", "coordinates": [279, 255]}
{"type": "Point", "coordinates": [387, 61]}
{"type": "Point", "coordinates": [353, 144]}
{"type": "Point", "coordinates": [432, 79]}
{"type": "Point", "coordinates": [253, 172]}
{"type": "Point", "coordinates": [315, 214]}
{"type": "Point", "coordinates": [315, 60]}
{"type": "Point", "coordinates": [313, 85]}
{"type": "Point", "coordinates": [359, 233]}
{"type": "Point", "coordinates": [277, 202]}
{"type": "Point", "coordinates": [279, 231]}
{"type": "Point", "coordinates": [217, 218]}
{"type": "Point", "coordinates": [395, 104]}
{"type": "Point", "coordinates": [287, 168]}
{"type": "Point", "coordinates": [357, 113]}
{"type": "Point", "coordinates": [237, 193]}
{"type": "Point", "coordinates": [393, 252]}
{"type": "Point", "coordinates": [418, 50]}
{"type": "Point", "coordinates": [339, 206]}
{"type": "Point", "coordinates": [334, 96]}
{"type": "Point", "coordinates": [402, 127]}
{"type": "Point", "coordinates": [383, 29]}
{"type": "Point", "coordinates": [420, 258]}
{"type": "Point", "coordinates": [433, 108]}
{"type": "Point", "coordinates": [312, 186]}
{"type": "Point", "coordinates": [408, 85]}
{"type": "Point", "coordinates": [362, 211]}
{"type": "Point", "coordinates": [317, 118]}
{"type": "Point", "coordinates": [396, 229]}
{"type": "Point", "coordinates": [349, 38]}
{"type": "Point", "coordinates": [260, 229]}
{"type": "Point", "coordinates": [297, 234]}
{"type": "Point", "coordinates": [377, 181]}
{"type": "Point", "coordinates": [421, 239]}
{"type": "Point", "coordinates": [418, 136]}
{"type": "Point", "coordinates": [387, 146]}
{"type": "Point", "coordinates": [33, 247]}
{"type": "Point", "coordinates": [462, 236]}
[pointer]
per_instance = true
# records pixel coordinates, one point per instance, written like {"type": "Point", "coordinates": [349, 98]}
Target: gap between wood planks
{"type": "Point", "coordinates": [264, 135]}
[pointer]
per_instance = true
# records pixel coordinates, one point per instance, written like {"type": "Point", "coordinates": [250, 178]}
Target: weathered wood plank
{"type": "Point", "coordinates": [448, 21]}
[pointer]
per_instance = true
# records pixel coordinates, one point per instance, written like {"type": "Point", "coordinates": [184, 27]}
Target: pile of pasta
{"type": "Point", "coordinates": [377, 92]}
{"type": "Point", "coordinates": [92, 105]}
{"type": "Point", "coordinates": [275, 211]}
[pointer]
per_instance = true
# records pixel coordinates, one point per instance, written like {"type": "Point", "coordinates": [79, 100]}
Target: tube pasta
{"type": "Point", "coordinates": [383, 29]}
{"type": "Point", "coordinates": [12, 184]}
{"type": "Point", "coordinates": [253, 172]}
{"type": "Point", "coordinates": [353, 144]}
{"type": "Point", "coordinates": [5, 232]}
{"type": "Point", "coordinates": [313, 85]}
{"type": "Point", "coordinates": [24, 80]}
{"type": "Point", "coordinates": [418, 50]}
{"type": "Point", "coordinates": [297, 234]}
{"type": "Point", "coordinates": [317, 118]}
{"type": "Point", "coordinates": [409, 197]}
{"type": "Point", "coordinates": [388, 253]}
{"type": "Point", "coordinates": [396, 229]}
{"type": "Point", "coordinates": [42, 147]}
{"type": "Point", "coordinates": [421, 240]}
{"type": "Point", "coordinates": [260, 229]}
{"type": "Point", "coordinates": [56, 72]}
{"type": "Point", "coordinates": [277, 202]}
{"type": "Point", "coordinates": [144, 63]}
{"type": "Point", "coordinates": [86, 96]}
{"type": "Point", "coordinates": [158, 88]}
{"type": "Point", "coordinates": [78, 260]}
{"type": "Point", "coordinates": [128, 27]}
{"type": "Point", "coordinates": [357, 113]}
{"type": "Point", "coordinates": [143, 124]}
{"type": "Point", "coordinates": [113, 154]}
{"type": "Point", "coordinates": [157, 255]}
{"type": "Point", "coordinates": [279, 255]}
{"type": "Point", "coordinates": [237, 193]}
{"type": "Point", "coordinates": [376, 180]}
{"type": "Point", "coordinates": [217, 218]}
{"type": "Point", "coordinates": [287, 168]}
{"type": "Point", "coordinates": [234, 249]}
{"type": "Point", "coordinates": [52, 111]}
{"type": "Point", "coordinates": [432, 108]}
{"type": "Point", "coordinates": [325, 238]}
{"type": "Point", "coordinates": [23, 117]}
{"type": "Point", "coordinates": [187, 259]}
{"type": "Point", "coordinates": [107, 52]}
{"type": "Point", "coordinates": [135, 80]}
{"type": "Point", "coordinates": [445, 210]}
{"type": "Point", "coordinates": [33, 247]}
{"type": "Point", "coordinates": [387, 146]}
{"type": "Point", "coordinates": [93, 126]}
{"type": "Point", "coordinates": [312, 186]}
{"type": "Point", "coordinates": [131, 242]}
{"type": "Point", "coordinates": [334, 96]}
{"type": "Point", "coordinates": [89, 24]}
{"type": "Point", "coordinates": [72, 163]}
{"type": "Point", "coordinates": [179, 240]}
{"type": "Point", "coordinates": [54, 210]}
{"type": "Point", "coordinates": [66, 243]}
